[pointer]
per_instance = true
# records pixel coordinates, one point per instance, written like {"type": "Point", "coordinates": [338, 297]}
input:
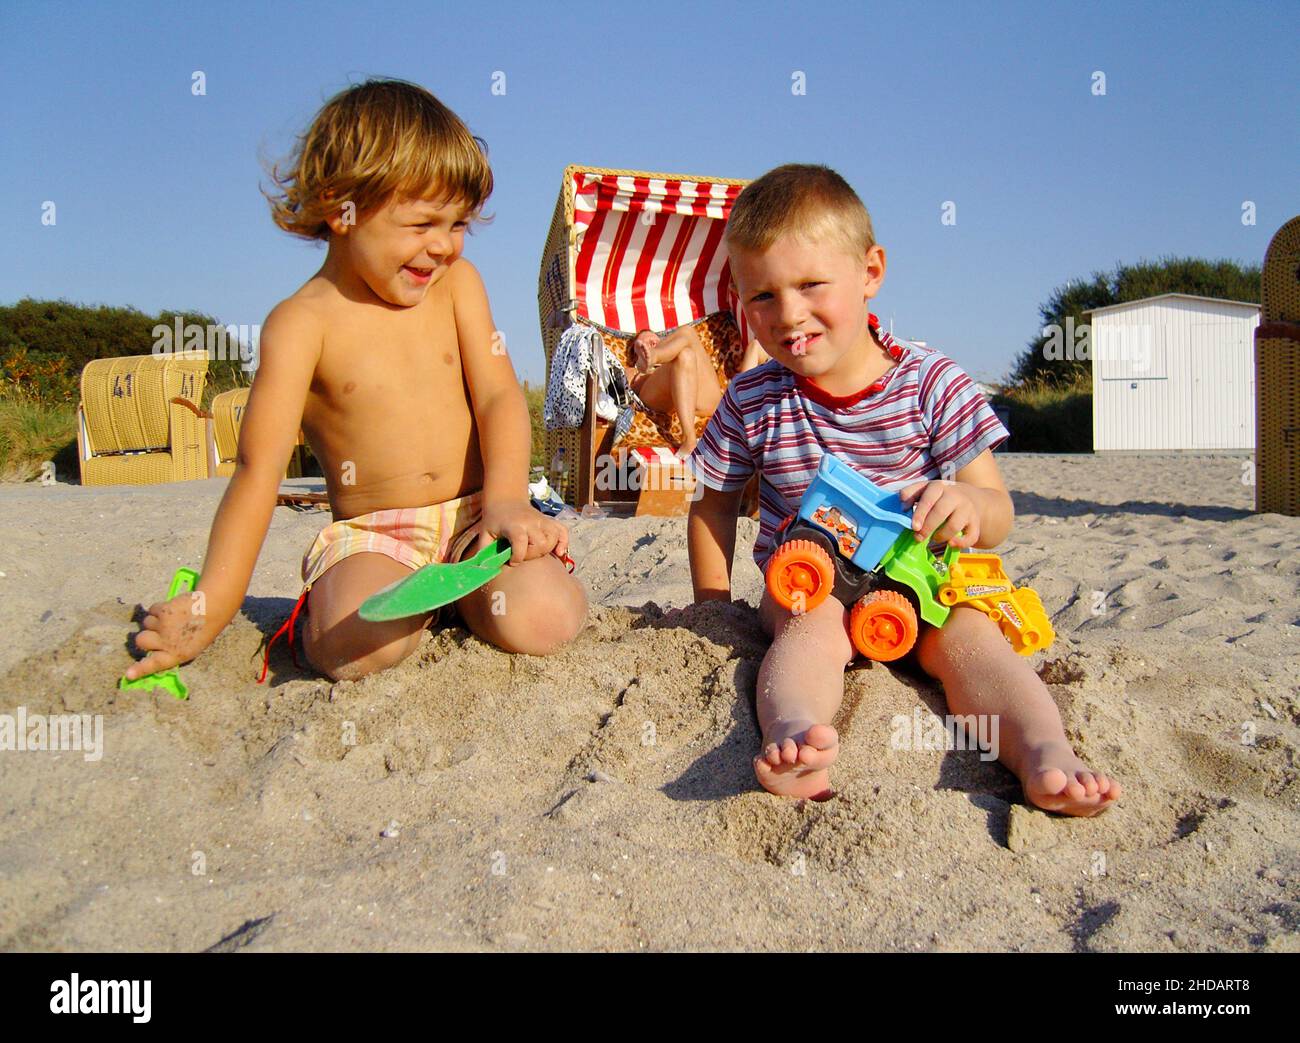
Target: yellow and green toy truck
{"type": "Point", "coordinates": [852, 539]}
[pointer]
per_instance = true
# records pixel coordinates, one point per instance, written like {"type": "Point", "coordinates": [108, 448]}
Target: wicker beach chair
{"type": "Point", "coordinates": [1277, 377]}
{"type": "Point", "coordinates": [227, 415]}
{"type": "Point", "coordinates": [139, 421]}
{"type": "Point", "coordinates": [630, 250]}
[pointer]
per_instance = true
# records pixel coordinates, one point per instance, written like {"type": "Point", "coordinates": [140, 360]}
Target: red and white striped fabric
{"type": "Point", "coordinates": [650, 253]}
{"type": "Point", "coordinates": [646, 455]}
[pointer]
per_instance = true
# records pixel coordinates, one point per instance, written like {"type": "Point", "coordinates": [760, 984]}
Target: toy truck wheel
{"type": "Point", "coordinates": [883, 626]}
{"type": "Point", "coordinates": [800, 575]}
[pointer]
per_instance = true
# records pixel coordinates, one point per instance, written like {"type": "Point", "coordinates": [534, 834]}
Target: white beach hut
{"type": "Point", "coordinates": [1173, 373]}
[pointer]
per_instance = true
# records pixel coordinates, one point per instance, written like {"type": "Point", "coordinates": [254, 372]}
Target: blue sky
{"type": "Point", "coordinates": [989, 106]}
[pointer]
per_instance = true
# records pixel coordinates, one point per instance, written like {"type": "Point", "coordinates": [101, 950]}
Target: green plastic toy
{"type": "Point", "coordinates": [182, 583]}
{"type": "Point", "coordinates": [435, 585]}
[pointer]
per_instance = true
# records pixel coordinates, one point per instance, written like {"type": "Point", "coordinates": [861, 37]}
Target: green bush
{"type": "Point", "coordinates": [44, 345]}
{"type": "Point", "coordinates": [1129, 282]}
{"type": "Point", "coordinates": [1047, 417]}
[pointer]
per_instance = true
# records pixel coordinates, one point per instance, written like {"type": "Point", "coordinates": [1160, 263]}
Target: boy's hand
{"type": "Point", "coordinates": [944, 511]}
{"type": "Point", "coordinates": [172, 633]}
{"type": "Point", "coordinates": [531, 533]}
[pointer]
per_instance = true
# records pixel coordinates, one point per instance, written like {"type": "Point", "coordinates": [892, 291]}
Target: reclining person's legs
{"type": "Point", "coordinates": [684, 382]}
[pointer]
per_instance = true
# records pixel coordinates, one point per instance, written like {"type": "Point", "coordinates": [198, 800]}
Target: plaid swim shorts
{"type": "Point", "coordinates": [414, 536]}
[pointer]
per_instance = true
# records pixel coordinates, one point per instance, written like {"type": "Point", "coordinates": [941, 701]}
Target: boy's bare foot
{"type": "Point", "coordinates": [798, 769]}
{"type": "Point", "coordinates": [1056, 780]}
{"type": "Point", "coordinates": [687, 447]}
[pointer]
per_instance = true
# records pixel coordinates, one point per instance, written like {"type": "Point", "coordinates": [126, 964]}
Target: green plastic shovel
{"type": "Point", "coordinates": [435, 585]}
{"type": "Point", "coordinates": [170, 680]}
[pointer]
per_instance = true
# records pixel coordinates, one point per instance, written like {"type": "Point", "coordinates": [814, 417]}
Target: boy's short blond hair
{"type": "Point", "coordinates": [370, 141]}
{"type": "Point", "coordinates": [810, 202]}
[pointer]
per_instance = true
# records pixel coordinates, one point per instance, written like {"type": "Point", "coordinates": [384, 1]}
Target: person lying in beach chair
{"type": "Point", "coordinates": [630, 252]}
{"type": "Point", "coordinates": [676, 375]}
{"type": "Point", "coordinates": [389, 361]}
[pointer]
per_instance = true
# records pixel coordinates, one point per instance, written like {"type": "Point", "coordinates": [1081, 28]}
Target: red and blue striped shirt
{"type": "Point", "coordinates": [924, 419]}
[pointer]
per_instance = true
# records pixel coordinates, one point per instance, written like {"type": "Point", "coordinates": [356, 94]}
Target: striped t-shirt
{"type": "Point", "coordinates": [926, 421]}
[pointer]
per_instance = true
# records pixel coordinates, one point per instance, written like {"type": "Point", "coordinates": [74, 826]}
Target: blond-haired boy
{"type": "Point", "coordinates": [389, 360]}
{"type": "Point", "coordinates": [806, 264]}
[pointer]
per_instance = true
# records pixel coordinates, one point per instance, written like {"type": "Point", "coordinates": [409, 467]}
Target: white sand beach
{"type": "Point", "coordinates": [603, 798]}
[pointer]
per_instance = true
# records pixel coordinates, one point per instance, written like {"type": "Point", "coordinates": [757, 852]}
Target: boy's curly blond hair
{"type": "Point", "coordinates": [370, 141]}
{"type": "Point", "coordinates": [804, 200]}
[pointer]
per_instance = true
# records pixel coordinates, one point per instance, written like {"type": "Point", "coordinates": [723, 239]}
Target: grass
{"type": "Point", "coordinates": [1048, 417]}
{"type": "Point", "coordinates": [33, 432]}
{"type": "Point", "coordinates": [535, 395]}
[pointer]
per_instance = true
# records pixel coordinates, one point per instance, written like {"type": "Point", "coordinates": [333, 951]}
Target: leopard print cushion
{"type": "Point", "coordinates": [721, 340]}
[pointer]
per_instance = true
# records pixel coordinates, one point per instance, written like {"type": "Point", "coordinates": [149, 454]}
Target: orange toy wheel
{"type": "Point", "coordinates": [800, 572]}
{"type": "Point", "coordinates": [882, 626]}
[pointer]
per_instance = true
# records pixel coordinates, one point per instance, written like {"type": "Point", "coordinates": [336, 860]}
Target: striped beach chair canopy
{"type": "Point", "coordinates": [647, 249]}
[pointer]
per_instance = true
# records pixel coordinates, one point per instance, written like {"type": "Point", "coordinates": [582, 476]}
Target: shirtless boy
{"type": "Point", "coordinates": [389, 361]}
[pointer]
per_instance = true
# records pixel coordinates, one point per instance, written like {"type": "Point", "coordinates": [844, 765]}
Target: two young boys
{"type": "Point", "coordinates": [387, 357]}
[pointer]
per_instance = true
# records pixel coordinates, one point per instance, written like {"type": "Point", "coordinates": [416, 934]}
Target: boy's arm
{"type": "Point", "coordinates": [504, 431]}
{"type": "Point", "coordinates": [290, 350]}
{"type": "Point", "coordinates": [977, 505]}
{"type": "Point", "coordinates": [711, 541]}
{"type": "Point", "coordinates": [984, 483]}
{"type": "Point", "coordinates": [500, 411]}
{"type": "Point", "coordinates": [176, 631]}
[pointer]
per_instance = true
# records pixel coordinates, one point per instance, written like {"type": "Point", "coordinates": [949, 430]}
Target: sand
{"type": "Point", "coordinates": [603, 798]}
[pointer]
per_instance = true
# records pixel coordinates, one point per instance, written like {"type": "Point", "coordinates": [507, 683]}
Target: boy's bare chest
{"type": "Point", "coordinates": [386, 358]}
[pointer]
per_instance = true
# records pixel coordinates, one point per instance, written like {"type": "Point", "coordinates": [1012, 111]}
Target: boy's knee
{"type": "Point", "coordinates": [934, 651]}
{"type": "Point", "coordinates": [556, 621]}
{"type": "Point", "coordinates": [538, 625]}
{"type": "Point", "coordinates": [823, 630]}
{"type": "Point", "coordinates": [346, 665]}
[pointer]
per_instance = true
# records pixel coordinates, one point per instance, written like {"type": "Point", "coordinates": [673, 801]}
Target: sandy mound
{"type": "Point", "coordinates": [602, 798]}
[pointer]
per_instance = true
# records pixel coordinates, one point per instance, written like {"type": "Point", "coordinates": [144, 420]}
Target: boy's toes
{"type": "Point", "coordinates": [771, 755]}
{"type": "Point", "coordinates": [1053, 790]}
{"type": "Point", "coordinates": [1051, 783]}
{"type": "Point", "coordinates": [789, 752]}
{"type": "Point", "coordinates": [820, 747]}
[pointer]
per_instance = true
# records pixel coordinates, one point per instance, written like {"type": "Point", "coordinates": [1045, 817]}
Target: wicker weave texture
{"type": "Point", "coordinates": [1277, 412]}
{"type": "Point", "coordinates": [1280, 292]}
{"type": "Point", "coordinates": [227, 411]}
{"type": "Point", "coordinates": [1277, 377]}
{"type": "Point", "coordinates": [134, 434]}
